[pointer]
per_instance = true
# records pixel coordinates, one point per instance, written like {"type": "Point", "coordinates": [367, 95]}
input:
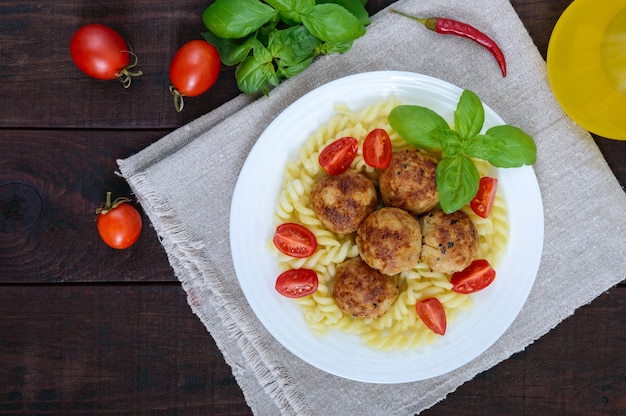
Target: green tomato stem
{"type": "Point", "coordinates": [108, 205]}
{"type": "Point", "coordinates": [125, 75]}
{"type": "Point", "coordinates": [179, 102]}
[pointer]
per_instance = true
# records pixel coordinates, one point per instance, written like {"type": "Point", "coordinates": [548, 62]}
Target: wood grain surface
{"type": "Point", "coordinates": [86, 330]}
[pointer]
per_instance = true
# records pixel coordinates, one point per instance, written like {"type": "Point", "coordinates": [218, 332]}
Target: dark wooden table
{"type": "Point", "coordinates": [85, 329]}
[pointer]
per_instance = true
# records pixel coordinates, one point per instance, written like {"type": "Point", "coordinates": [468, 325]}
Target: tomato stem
{"type": "Point", "coordinates": [125, 75]}
{"type": "Point", "coordinates": [179, 102]}
{"type": "Point", "coordinates": [108, 205]}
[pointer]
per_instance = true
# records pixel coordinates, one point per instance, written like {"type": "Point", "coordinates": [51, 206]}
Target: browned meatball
{"type": "Point", "coordinates": [409, 181]}
{"type": "Point", "coordinates": [363, 292]}
{"type": "Point", "coordinates": [390, 240]}
{"type": "Point", "coordinates": [450, 241]}
{"type": "Point", "coordinates": [342, 201]}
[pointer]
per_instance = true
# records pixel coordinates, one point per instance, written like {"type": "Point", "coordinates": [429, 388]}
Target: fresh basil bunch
{"type": "Point", "coordinates": [457, 177]}
{"type": "Point", "coordinates": [277, 39]}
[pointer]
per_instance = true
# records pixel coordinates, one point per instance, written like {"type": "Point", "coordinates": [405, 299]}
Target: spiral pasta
{"type": "Point", "coordinates": [400, 328]}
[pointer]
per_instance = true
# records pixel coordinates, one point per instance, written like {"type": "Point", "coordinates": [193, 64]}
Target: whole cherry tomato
{"type": "Point", "coordinates": [483, 201]}
{"type": "Point", "coordinates": [194, 69]}
{"type": "Point", "coordinates": [377, 149]}
{"type": "Point", "coordinates": [477, 276]}
{"type": "Point", "coordinates": [338, 155]}
{"type": "Point", "coordinates": [102, 53]}
{"type": "Point", "coordinates": [119, 223]}
{"type": "Point", "coordinates": [431, 312]}
{"type": "Point", "coordinates": [296, 283]}
{"type": "Point", "coordinates": [295, 240]}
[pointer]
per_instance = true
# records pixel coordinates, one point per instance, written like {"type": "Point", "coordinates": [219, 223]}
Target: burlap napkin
{"type": "Point", "coordinates": [185, 182]}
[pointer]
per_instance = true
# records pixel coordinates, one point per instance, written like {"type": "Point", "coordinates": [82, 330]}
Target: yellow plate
{"type": "Point", "coordinates": [587, 65]}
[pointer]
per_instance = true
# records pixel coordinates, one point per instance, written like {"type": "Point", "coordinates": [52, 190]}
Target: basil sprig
{"type": "Point", "coordinates": [457, 176]}
{"type": "Point", "coordinates": [278, 39]}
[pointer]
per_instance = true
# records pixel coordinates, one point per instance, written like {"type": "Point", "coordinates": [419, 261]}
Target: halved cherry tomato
{"type": "Point", "coordinates": [102, 53]}
{"type": "Point", "coordinates": [433, 315]}
{"type": "Point", "coordinates": [295, 240]}
{"type": "Point", "coordinates": [296, 283]}
{"type": "Point", "coordinates": [483, 201]}
{"type": "Point", "coordinates": [477, 276]}
{"type": "Point", "coordinates": [338, 155]}
{"type": "Point", "coordinates": [377, 149]}
{"type": "Point", "coordinates": [119, 223]}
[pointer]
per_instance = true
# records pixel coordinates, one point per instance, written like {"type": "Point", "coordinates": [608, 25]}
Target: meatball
{"type": "Point", "coordinates": [450, 241]}
{"type": "Point", "coordinates": [342, 201]}
{"type": "Point", "coordinates": [390, 240]}
{"type": "Point", "coordinates": [363, 292]}
{"type": "Point", "coordinates": [409, 181]}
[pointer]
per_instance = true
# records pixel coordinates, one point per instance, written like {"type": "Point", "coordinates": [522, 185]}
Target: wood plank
{"type": "Point", "coordinates": [43, 88]}
{"type": "Point", "coordinates": [577, 369]}
{"type": "Point", "coordinates": [51, 182]}
{"type": "Point", "coordinates": [94, 349]}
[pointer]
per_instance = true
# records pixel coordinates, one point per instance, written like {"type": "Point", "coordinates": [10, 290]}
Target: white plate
{"type": "Point", "coordinates": [251, 228]}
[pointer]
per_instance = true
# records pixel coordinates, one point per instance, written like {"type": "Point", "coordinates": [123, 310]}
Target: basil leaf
{"type": "Point", "coordinates": [333, 23]}
{"type": "Point", "coordinates": [450, 141]}
{"type": "Point", "coordinates": [338, 47]}
{"type": "Point", "coordinates": [232, 51]}
{"type": "Point", "coordinates": [356, 7]}
{"type": "Point", "coordinates": [301, 6]}
{"type": "Point", "coordinates": [256, 72]}
{"type": "Point", "coordinates": [234, 19]}
{"type": "Point", "coordinates": [292, 46]}
{"type": "Point", "coordinates": [469, 115]}
{"type": "Point", "coordinates": [290, 18]}
{"type": "Point", "coordinates": [290, 71]}
{"type": "Point", "coordinates": [415, 124]}
{"type": "Point", "coordinates": [291, 10]}
{"type": "Point", "coordinates": [518, 148]}
{"type": "Point", "coordinates": [483, 147]}
{"type": "Point", "coordinates": [457, 182]}
{"type": "Point", "coordinates": [261, 53]}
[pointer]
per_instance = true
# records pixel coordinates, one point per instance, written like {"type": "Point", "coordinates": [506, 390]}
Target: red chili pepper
{"type": "Point", "coordinates": [454, 27]}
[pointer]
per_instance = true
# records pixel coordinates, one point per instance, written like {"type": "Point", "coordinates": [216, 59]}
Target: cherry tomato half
{"type": "Point", "coordinates": [431, 312]}
{"type": "Point", "coordinates": [377, 149]}
{"type": "Point", "coordinates": [477, 276]}
{"type": "Point", "coordinates": [483, 201]}
{"type": "Point", "coordinates": [119, 223]}
{"type": "Point", "coordinates": [193, 70]}
{"type": "Point", "coordinates": [102, 53]}
{"type": "Point", "coordinates": [295, 240]}
{"type": "Point", "coordinates": [296, 283]}
{"type": "Point", "coordinates": [338, 155]}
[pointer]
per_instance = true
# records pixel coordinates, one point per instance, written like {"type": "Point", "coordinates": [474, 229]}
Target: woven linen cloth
{"type": "Point", "coordinates": [185, 182]}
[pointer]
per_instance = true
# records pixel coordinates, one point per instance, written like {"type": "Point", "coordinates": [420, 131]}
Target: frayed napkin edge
{"type": "Point", "coordinates": [186, 258]}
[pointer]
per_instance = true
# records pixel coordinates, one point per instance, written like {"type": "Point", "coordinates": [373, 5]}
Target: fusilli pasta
{"type": "Point", "coordinates": [400, 328]}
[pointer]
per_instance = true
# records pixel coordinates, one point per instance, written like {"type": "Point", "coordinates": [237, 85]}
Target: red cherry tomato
{"type": "Point", "coordinates": [477, 276]}
{"type": "Point", "coordinates": [193, 70]}
{"type": "Point", "coordinates": [433, 315]}
{"type": "Point", "coordinates": [296, 283]}
{"type": "Point", "coordinates": [119, 223]}
{"type": "Point", "coordinates": [338, 155]}
{"type": "Point", "coordinates": [377, 149]}
{"type": "Point", "coordinates": [295, 240]}
{"type": "Point", "coordinates": [102, 53]}
{"type": "Point", "coordinates": [486, 195]}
